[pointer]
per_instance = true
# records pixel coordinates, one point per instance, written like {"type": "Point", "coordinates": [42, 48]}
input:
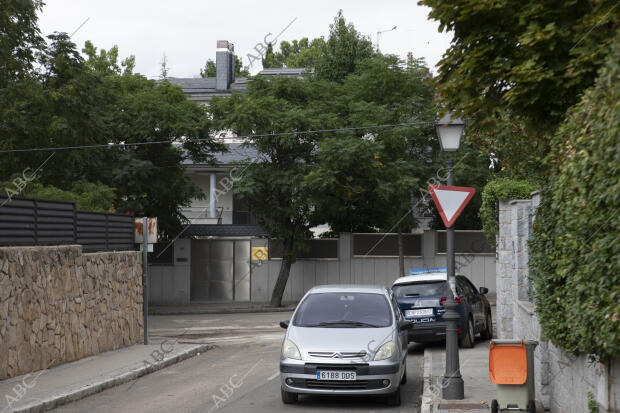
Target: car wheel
{"type": "Point", "coordinates": [404, 379]}
{"type": "Point", "coordinates": [393, 399]}
{"type": "Point", "coordinates": [288, 397]}
{"type": "Point", "coordinates": [468, 338]}
{"type": "Point", "coordinates": [494, 406]}
{"type": "Point", "coordinates": [487, 334]}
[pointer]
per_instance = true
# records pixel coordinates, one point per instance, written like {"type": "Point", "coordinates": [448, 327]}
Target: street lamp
{"type": "Point", "coordinates": [381, 32]}
{"type": "Point", "coordinates": [450, 131]}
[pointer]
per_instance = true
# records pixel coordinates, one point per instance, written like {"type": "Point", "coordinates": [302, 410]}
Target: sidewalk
{"type": "Point", "coordinates": [479, 391]}
{"type": "Point", "coordinates": [219, 308]}
{"type": "Point", "coordinates": [46, 389]}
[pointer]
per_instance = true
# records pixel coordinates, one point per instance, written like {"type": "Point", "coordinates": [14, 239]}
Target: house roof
{"type": "Point", "coordinates": [224, 230]}
{"type": "Point", "coordinates": [235, 155]}
{"type": "Point", "coordinates": [196, 86]}
{"type": "Point", "coordinates": [283, 71]}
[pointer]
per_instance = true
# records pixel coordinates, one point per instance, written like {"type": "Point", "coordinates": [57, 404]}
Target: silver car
{"type": "Point", "coordinates": [345, 339]}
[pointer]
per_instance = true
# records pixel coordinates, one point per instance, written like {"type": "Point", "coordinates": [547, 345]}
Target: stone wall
{"type": "Point", "coordinates": [59, 305]}
{"type": "Point", "coordinates": [564, 382]}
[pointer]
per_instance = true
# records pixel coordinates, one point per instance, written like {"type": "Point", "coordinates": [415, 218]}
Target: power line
{"type": "Point", "coordinates": [306, 132]}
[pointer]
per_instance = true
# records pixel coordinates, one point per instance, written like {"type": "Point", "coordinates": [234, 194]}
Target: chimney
{"type": "Point", "coordinates": [224, 65]}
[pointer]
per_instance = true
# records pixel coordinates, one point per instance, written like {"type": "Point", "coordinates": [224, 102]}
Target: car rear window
{"type": "Point", "coordinates": [363, 308]}
{"type": "Point", "coordinates": [420, 289]}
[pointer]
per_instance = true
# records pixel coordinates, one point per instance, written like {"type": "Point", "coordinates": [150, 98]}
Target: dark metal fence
{"type": "Point", "coordinates": [315, 248]}
{"type": "Point", "coordinates": [386, 245]}
{"type": "Point", "coordinates": [28, 221]}
{"type": "Point", "coordinates": [465, 242]}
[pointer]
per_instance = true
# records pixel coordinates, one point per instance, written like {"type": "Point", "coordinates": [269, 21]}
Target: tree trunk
{"type": "Point", "coordinates": [401, 255]}
{"type": "Point", "coordinates": [285, 269]}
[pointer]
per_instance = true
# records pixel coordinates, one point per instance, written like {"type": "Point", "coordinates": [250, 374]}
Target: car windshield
{"type": "Point", "coordinates": [344, 310]}
{"type": "Point", "coordinates": [420, 289]}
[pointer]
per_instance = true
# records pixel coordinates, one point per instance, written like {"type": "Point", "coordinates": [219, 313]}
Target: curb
{"type": "Point", "coordinates": [60, 399]}
{"type": "Point", "coordinates": [189, 310]}
{"type": "Point", "coordinates": [427, 376]}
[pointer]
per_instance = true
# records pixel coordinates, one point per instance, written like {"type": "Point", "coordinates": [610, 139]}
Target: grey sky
{"type": "Point", "coordinates": [187, 30]}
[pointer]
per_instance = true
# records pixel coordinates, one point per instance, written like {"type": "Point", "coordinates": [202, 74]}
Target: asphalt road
{"type": "Point", "coordinates": [240, 374]}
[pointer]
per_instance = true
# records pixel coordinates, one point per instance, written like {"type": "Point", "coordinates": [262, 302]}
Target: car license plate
{"type": "Point", "coordinates": [336, 375]}
{"type": "Point", "coordinates": [423, 312]}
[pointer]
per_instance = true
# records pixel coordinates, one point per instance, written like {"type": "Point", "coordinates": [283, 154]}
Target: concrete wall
{"type": "Point", "coordinates": [563, 381]}
{"type": "Point", "coordinates": [169, 284]}
{"type": "Point", "coordinates": [59, 305]}
{"type": "Point", "coordinates": [350, 269]}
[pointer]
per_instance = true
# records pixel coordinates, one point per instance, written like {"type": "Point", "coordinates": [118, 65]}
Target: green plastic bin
{"type": "Point", "coordinates": [511, 368]}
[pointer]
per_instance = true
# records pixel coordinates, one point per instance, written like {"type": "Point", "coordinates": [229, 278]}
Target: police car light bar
{"type": "Point", "coordinates": [415, 271]}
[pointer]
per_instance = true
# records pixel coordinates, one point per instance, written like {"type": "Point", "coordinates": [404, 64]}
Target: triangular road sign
{"type": "Point", "coordinates": [450, 201]}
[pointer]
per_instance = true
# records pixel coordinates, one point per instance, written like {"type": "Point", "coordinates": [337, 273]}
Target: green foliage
{"type": "Point", "coordinates": [209, 70]}
{"type": "Point", "coordinates": [516, 66]}
{"type": "Point", "coordinates": [500, 189]}
{"type": "Point", "coordinates": [592, 405]}
{"type": "Point", "coordinates": [302, 53]}
{"type": "Point", "coordinates": [576, 241]}
{"type": "Point", "coordinates": [332, 59]}
{"type": "Point", "coordinates": [20, 39]}
{"type": "Point", "coordinates": [73, 101]}
{"type": "Point", "coordinates": [88, 196]}
{"type": "Point", "coordinates": [362, 181]}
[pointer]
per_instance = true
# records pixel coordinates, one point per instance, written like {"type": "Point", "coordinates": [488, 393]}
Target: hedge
{"type": "Point", "coordinates": [575, 248]}
{"type": "Point", "coordinates": [500, 189]}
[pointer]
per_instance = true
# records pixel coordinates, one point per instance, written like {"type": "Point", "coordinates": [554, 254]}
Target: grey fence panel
{"type": "Point", "coordinates": [27, 221]}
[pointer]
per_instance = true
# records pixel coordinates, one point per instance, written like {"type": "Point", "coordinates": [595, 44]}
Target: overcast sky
{"type": "Point", "coordinates": [187, 30]}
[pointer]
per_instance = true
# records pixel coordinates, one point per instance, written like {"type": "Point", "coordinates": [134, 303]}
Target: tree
{"type": "Point", "coordinates": [98, 101]}
{"type": "Point", "coordinates": [209, 69]}
{"type": "Point", "coordinates": [364, 180]}
{"type": "Point", "coordinates": [274, 185]}
{"type": "Point", "coordinates": [344, 49]}
{"type": "Point", "coordinates": [20, 40]}
{"type": "Point", "coordinates": [331, 59]}
{"type": "Point", "coordinates": [164, 68]}
{"type": "Point", "coordinates": [515, 67]}
{"type": "Point", "coordinates": [302, 53]}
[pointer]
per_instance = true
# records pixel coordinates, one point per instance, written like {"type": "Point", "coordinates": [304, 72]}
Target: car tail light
{"type": "Point", "coordinates": [443, 300]}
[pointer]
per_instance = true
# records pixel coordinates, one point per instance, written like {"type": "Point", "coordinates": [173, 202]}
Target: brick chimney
{"type": "Point", "coordinates": [224, 65]}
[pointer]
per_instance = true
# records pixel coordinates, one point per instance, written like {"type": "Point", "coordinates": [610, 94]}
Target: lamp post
{"type": "Point", "coordinates": [450, 131]}
{"type": "Point", "coordinates": [381, 32]}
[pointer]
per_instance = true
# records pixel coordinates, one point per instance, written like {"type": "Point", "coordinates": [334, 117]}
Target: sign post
{"type": "Point", "coordinates": [145, 234]}
{"type": "Point", "coordinates": [450, 201]}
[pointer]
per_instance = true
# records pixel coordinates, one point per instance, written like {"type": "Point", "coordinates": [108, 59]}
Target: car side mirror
{"type": "Point", "coordinates": [284, 323]}
{"type": "Point", "coordinates": [484, 290]}
{"type": "Point", "coordinates": [405, 325]}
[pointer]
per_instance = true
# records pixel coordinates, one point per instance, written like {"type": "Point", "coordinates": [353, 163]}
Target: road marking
{"type": "Point", "coordinates": [273, 376]}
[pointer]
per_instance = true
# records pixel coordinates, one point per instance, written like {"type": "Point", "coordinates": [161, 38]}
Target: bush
{"type": "Point", "coordinates": [575, 248]}
{"type": "Point", "coordinates": [500, 189]}
{"type": "Point", "coordinates": [88, 196]}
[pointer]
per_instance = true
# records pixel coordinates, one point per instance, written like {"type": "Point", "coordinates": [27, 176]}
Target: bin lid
{"type": "Point", "coordinates": [507, 363]}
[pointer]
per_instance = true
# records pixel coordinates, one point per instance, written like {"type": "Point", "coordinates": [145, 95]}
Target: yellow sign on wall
{"type": "Point", "coordinates": [259, 254]}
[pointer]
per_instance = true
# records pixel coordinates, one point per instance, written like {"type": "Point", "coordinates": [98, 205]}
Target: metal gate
{"type": "Point", "coordinates": [220, 270]}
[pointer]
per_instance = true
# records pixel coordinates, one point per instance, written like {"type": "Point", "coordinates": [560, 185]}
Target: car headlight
{"type": "Point", "coordinates": [385, 351]}
{"type": "Point", "coordinates": [290, 350]}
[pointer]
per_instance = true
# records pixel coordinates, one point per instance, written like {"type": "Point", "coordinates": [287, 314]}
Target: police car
{"type": "Point", "coordinates": [421, 296]}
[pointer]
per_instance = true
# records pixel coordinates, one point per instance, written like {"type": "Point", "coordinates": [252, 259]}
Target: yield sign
{"type": "Point", "coordinates": [450, 201]}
